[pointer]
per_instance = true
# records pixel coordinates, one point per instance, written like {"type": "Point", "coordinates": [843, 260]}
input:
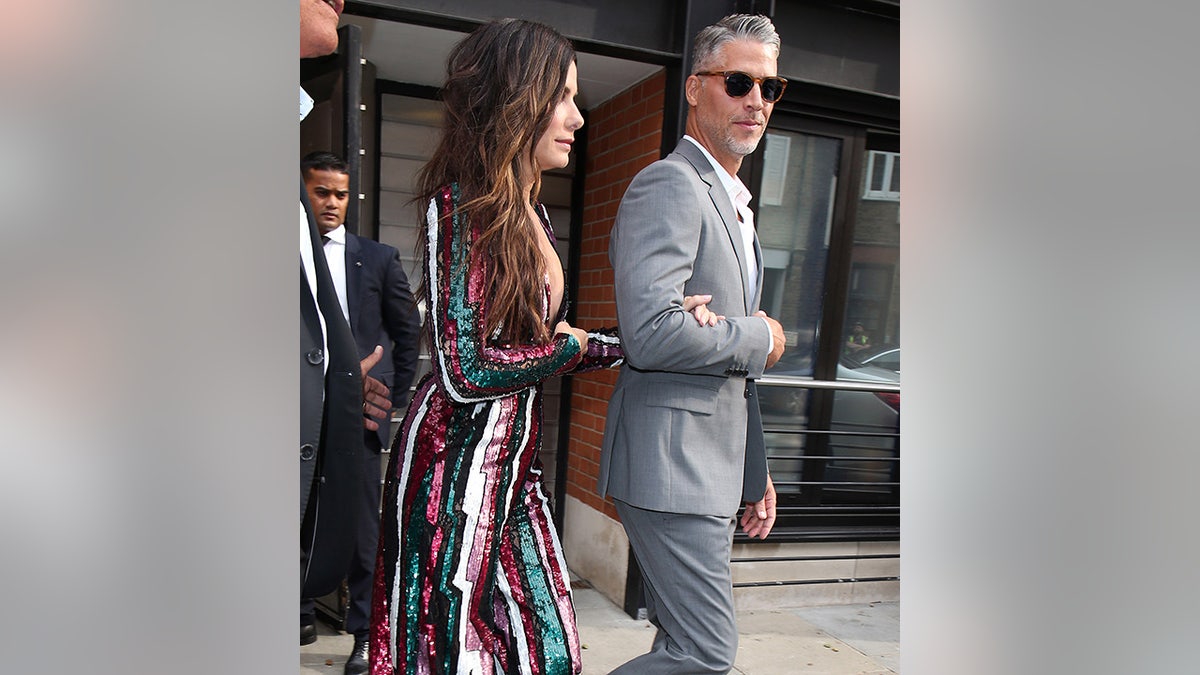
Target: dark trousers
{"type": "Point", "coordinates": [360, 575]}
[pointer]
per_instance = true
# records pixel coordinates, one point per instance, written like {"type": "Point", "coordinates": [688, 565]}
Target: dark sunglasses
{"type": "Point", "coordinates": [738, 84]}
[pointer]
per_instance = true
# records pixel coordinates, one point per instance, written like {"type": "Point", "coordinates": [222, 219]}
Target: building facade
{"type": "Point", "coordinates": [826, 198]}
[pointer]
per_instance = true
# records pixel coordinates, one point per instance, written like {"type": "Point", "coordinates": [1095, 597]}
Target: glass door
{"type": "Point", "coordinates": [826, 219]}
{"type": "Point", "coordinates": [796, 197]}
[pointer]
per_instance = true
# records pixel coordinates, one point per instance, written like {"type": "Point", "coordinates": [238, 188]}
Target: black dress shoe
{"type": "Point", "coordinates": [308, 633]}
{"type": "Point", "coordinates": [358, 663]}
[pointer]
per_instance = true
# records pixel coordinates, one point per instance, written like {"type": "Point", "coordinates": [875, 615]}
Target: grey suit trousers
{"type": "Point", "coordinates": [689, 591]}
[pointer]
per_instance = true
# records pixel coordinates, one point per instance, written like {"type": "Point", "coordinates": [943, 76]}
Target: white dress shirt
{"type": "Point", "coordinates": [335, 255]}
{"type": "Point", "coordinates": [740, 196]}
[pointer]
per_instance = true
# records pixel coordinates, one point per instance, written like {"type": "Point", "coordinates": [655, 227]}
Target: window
{"type": "Point", "coordinates": [833, 453]}
{"type": "Point", "coordinates": [882, 176]}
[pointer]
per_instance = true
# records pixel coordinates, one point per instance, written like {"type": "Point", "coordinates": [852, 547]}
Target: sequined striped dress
{"type": "Point", "coordinates": [470, 576]}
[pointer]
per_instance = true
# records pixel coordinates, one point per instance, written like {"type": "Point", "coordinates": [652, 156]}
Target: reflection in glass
{"type": "Point", "coordinates": [831, 448]}
{"type": "Point", "coordinates": [794, 214]}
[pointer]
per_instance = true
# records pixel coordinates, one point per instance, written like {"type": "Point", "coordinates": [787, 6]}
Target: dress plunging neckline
{"type": "Point", "coordinates": [555, 284]}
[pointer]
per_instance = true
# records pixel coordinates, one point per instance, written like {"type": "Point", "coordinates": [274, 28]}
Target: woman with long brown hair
{"type": "Point", "coordinates": [470, 576]}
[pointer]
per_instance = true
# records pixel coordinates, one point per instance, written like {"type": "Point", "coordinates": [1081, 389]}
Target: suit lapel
{"type": "Point", "coordinates": [720, 200]}
{"type": "Point", "coordinates": [342, 350]}
{"type": "Point", "coordinates": [758, 260]}
{"type": "Point", "coordinates": [354, 267]}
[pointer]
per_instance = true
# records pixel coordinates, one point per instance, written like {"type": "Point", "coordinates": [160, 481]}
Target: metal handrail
{"type": "Point", "coordinates": [828, 432]}
{"type": "Point", "coordinates": [848, 385]}
{"type": "Point", "coordinates": [837, 483]}
{"type": "Point", "coordinates": [840, 458]}
{"type": "Point", "coordinates": [814, 558]}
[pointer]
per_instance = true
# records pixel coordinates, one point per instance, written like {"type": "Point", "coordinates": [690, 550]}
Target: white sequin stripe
{"type": "Point", "coordinates": [402, 482]}
{"type": "Point", "coordinates": [472, 507]}
{"type": "Point", "coordinates": [554, 547]}
{"type": "Point", "coordinates": [605, 339]}
{"type": "Point", "coordinates": [608, 340]}
{"type": "Point", "coordinates": [515, 625]}
{"type": "Point", "coordinates": [433, 313]}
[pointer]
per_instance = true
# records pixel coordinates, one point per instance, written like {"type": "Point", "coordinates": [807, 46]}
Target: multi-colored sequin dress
{"type": "Point", "coordinates": [470, 576]}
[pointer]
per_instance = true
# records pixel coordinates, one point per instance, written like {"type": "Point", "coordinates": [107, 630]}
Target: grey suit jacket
{"type": "Point", "coordinates": [675, 437]}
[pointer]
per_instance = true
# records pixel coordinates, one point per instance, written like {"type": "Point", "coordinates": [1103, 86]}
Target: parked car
{"type": "Point", "coordinates": [887, 357]}
{"type": "Point", "coordinates": [866, 459]}
{"type": "Point", "coordinates": [865, 445]}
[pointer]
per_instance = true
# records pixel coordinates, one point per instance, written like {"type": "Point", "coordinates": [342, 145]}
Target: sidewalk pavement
{"type": "Point", "coordinates": [830, 640]}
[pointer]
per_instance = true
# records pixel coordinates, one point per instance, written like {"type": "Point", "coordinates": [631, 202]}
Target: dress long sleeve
{"type": "Point", "coordinates": [474, 368]}
{"type": "Point", "coordinates": [603, 351]}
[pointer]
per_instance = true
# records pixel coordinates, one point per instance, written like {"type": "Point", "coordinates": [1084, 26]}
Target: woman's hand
{"type": "Point", "coordinates": [698, 306]}
{"type": "Point", "coordinates": [579, 333]}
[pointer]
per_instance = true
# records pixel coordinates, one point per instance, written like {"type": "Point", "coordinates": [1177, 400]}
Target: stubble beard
{"type": "Point", "coordinates": [738, 147]}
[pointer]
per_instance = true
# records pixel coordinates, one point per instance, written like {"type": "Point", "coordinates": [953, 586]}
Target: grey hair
{"type": "Point", "coordinates": [753, 27]}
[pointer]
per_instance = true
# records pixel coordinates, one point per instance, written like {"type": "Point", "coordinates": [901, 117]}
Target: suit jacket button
{"type": "Point", "coordinates": [316, 356]}
{"type": "Point", "coordinates": [307, 452]}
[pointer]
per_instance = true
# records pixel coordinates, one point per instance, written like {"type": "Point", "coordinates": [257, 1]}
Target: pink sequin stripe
{"type": "Point", "coordinates": [383, 632]}
{"type": "Point", "coordinates": [526, 494]}
{"type": "Point", "coordinates": [550, 549]}
{"type": "Point", "coordinates": [467, 360]}
{"type": "Point", "coordinates": [479, 531]}
{"type": "Point", "coordinates": [514, 592]}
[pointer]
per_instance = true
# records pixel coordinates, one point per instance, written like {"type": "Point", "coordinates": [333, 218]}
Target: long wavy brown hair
{"type": "Point", "coordinates": [503, 82]}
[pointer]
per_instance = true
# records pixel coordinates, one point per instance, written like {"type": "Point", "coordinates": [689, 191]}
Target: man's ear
{"type": "Point", "coordinates": [691, 89]}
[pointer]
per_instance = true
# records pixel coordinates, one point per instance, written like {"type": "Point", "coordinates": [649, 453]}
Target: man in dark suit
{"type": "Point", "coordinates": [336, 399]}
{"type": "Point", "coordinates": [683, 444]}
{"type": "Point", "coordinates": [376, 299]}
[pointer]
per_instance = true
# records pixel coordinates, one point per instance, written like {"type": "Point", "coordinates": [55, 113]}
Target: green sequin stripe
{"type": "Point", "coordinates": [550, 640]}
{"type": "Point", "coordinates": [478, 372]}
{"type": "Point", "coordinates": [422, 571]}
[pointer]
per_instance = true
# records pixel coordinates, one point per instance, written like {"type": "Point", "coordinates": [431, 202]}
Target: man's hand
{"type": "Point", "coordinates": [759, 517]}
{"type": "Point", "coordinates": [777, 339]}
{"type": "Point", "coordinates": [377, 403]}
{"type": "Point", "coordinates": [698, 306]}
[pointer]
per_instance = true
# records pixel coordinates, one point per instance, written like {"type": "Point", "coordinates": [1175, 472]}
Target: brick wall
{"type": "Point", "coordinates": [625, 135]}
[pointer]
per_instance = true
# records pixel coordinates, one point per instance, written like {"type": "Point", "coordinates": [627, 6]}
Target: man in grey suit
{"type": "Point", "coordinates": [683, 445]}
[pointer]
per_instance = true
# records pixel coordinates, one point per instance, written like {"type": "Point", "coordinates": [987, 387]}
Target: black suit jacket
{"type": "Point", "coordinates": [330, 430]}
{"type": "Point", "coordinates": [382, 312]}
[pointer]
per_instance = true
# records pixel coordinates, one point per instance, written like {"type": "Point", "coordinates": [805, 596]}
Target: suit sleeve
{"type": "Point", "coordinates": [654, 247]}
{"type": "Point", "coordinates": [403, 326]}
{"type": "Point", "coordinates": [473, 368]}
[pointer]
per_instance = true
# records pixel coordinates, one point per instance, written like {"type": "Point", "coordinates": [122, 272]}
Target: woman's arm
{"type": "Point", "coordinates": [474, 368]}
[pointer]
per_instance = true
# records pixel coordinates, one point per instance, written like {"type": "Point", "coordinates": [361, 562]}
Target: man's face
{"type": "Point", "coordinates": [329, 193]}
{"type": "Point", "coordinates": [730, 128]}
{"type": "Point", "coordinates": [318, 27]}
